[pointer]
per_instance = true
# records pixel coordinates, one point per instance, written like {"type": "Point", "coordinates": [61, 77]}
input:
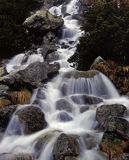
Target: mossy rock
{"type": "Point", "coordinates": [43, 20]}
{"type": "Point", "coordinates": [81, 74]}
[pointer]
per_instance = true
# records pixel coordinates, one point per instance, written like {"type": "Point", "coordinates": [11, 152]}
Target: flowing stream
{"type": "Point", "coordinates": [70, 91]}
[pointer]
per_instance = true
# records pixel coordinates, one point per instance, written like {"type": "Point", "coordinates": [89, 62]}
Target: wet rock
{"type": "Point", "coordinates": [34, 73]}
{"type": "Point", "coordinates": [32, 118]}
{"type": "Point", "coordinates": [64, 88]}
{"type": "Point", "coordinates": [40, 94]}
{"type": "Point", "coordinates": [64, 117]}
{"type": "Point", "coordinates": [81, 74]}
{"type": "Point", "coordinates": [37, 72]}
{"type": "Point", "coordinates": [53, 69]}
{"type": "Point", "coordinates": [43, 21]}
{"type": "Point", "coordinates": [115, 124]}
{"type": "Point", "coordinates": [14, 83]}
{"type": "Point", "coordinates": [85, 99]}
{"type": "Point", "coordinates": [50, 39]}
{"type": "Point", "coordinates": [66, 146]}
{"type": "Point", "coordinates": [90, 141]}
{"type": "Point", "coordinates": [6, 113]}
{"type": "Point", "coordinates": [52, 57]}
{"type": "Point", "coordinates": [84, 108]}
{"type": "Point", "coordinates": [47, 49]}
{"type": "Point", "coordinates": [27, 55]}
{"type": "Point", "coordinates": [20, 156]}
{"type": "Point", "coordinates": [42, 141]}
{"type": "Point", "coordinates": [105, 111]}
{"type": "Point", "coordinates": [63, 104]}
{"type": "Point", "coordinates": [114, 145]}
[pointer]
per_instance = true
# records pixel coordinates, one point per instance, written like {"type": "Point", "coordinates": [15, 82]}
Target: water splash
{"type": "Point", "coordinates": [98, 85]}
{"type": "Point", "coordinates": [16, 63]}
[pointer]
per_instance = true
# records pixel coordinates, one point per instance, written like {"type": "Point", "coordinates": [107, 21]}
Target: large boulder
{"type": "Point", "coordinates": [20, 156]}
{"type": "Point", "coordinates": [37, 72]}
{"type": "Point", "coordinates": [43, 21]}
{"type": "Point", "coordinates": [32, 118]}
{"type": "Point", "coordinates": [66, 146]}
{"type": "Point", "coordinates": [115, 141]}
{"type": "Point", "coordinates": [115, 146]}
{"type": "Point", "coordinates": [106, 111]}
{"type": "Point", "coordinates": [119, 125]}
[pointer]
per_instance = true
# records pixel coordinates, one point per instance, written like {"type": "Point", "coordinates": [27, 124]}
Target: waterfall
{"type": "Point", "coordinates": [74, 94]}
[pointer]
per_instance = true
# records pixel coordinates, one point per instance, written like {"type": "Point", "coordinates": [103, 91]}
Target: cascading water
{"type": "Point", "coordinates": [68, 119]}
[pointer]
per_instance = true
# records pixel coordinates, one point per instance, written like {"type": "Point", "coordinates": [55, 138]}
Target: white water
{"type": "Point", "coordinates": [15, 64]}
{"type": "Point", "coordinates": [80, 123]}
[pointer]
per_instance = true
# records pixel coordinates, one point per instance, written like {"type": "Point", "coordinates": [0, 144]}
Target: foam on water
{"type": "Point", "coordinates": [16, 63]}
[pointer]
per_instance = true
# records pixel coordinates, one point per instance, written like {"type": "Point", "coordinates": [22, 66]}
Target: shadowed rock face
{"type": "Point", "coordinates": [65, 147]}
{"type": "Point", "coordinates": [6, 113]}
{"type": "Point", "coordinates": [32, 118]}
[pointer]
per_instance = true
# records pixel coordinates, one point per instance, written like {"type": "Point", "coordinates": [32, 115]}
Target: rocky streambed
{"type": "Point", "coordinates": [51, 111]}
